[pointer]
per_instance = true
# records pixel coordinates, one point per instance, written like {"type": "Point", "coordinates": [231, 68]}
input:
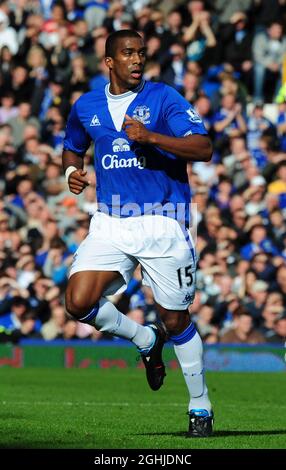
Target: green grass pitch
{"type": "Point", "coordinates": [106, 409]}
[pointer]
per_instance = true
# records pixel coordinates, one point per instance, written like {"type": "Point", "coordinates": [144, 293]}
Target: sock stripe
{"type": "Point", "coordinates": [91, 315]}
{"type": "Point", "coordinates": [186, 336]}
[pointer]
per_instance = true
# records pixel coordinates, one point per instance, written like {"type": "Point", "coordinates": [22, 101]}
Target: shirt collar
{"type": "Point", "coordinates": [123, 95]}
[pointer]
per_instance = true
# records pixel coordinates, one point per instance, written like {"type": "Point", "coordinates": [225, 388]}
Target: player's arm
{"type": "Point", "coordinates": [193, 147]}
{"type": "Point", "coordinates": [73, 168]}
{"type": "Point", "coordinates": [76, 142]}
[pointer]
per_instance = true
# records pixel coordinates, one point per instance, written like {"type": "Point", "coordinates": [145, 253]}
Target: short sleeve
{"type": "Point", "coordinates": [76, 138]}
{"type": "Point", "coordinates": [180, 116]}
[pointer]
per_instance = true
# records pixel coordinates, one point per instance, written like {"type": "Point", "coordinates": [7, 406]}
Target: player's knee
{"type": "Point", "coordinates": [81, 296]}
{"type": "Point", "coordinates": [77, 304]}
{"type": "Point", "coordinates": [176, 322]}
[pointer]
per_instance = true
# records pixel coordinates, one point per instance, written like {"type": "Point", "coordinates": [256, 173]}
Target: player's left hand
{"type": "Point", "coordinates": [136, 130]}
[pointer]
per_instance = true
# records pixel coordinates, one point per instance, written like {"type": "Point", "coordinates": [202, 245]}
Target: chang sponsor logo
{"type": "Point", "coordinates": [111, 162]}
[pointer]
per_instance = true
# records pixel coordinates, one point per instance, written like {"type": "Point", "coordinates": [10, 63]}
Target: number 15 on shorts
{"type": "Point", "coordinates": [185, 276]}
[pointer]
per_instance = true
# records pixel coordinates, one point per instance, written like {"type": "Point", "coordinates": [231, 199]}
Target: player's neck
{"type": "Point", "coordinates": [118, 89]}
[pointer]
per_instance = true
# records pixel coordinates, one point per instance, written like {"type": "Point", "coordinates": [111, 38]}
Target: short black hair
{"type": "Point", "coordinates": [110, 45]}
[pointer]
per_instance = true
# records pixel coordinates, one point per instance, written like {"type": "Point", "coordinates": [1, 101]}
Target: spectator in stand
{"type": "Point", "coordinates": [60, 55]}
{"type": "Point", "coordinates": [229, 120]}
{"type": "Point", "coordinates": [254, 196]}
{"type": "Point", "coordinates": [259, 242]}
{"type": "Point", "coordinates": [8, 110]}
{"type": "Point", "coordinates": [40, 293]}
{"type": "Point", "coordinates": [279, 329]}
{"type": "Point", "coordinates": [262, 266]}
{"type": "Point", "coordinates": [257, 125]}
{"type": "Point", "coordinates": [20, 84]}
{"type": "Point", "coordinates": [69, 330]}
{"type": "Point", "coordinates": [50, 35]}
{"type": "Point", "coordinates": [229, 83]}
{"type": "Point", "coordinates": [200, 40]}
{"type": "Point", "coordinates": [245, 170]}
{"type": "Point", "coordinates": [79, 74]}
{"type": "Point", "coordinates": [224, 296]}
{"type": "Point", "coordinates": [24, 187]}
{"type": "Point", "coordinates": [190, 87]}
{"type": "Point", "coordinates": [53, 129]}
{"type": "Point", "coordinates": [50, 96]}
{"type": "Point", "coordinates": [203, 107]}
{"type": "Point", "coordinates": [173, 31]}
{"type": "Point", "coordinates": [57, 263]}
{"type": "Point", "coordinates": [8, 36]}
{"type": "Point", "coordinates": [278, 186]}
{"type": "Point", "coordinates": [17, 318]}
{"type": "Point", "coordinates": [204, 321]}
{"type": "Point", "coordinates": [272, 310]}
{"type": "Point", "coordinates": [83, 36]}
{"type": "Point", "coordinates": [96, 56]}
{"type": "Point", "coordinates": [54, 184]}
{"type": "Point", "coordinates": [278, 227]}
{"type": "Point", "coordinates": [243, 330]}
{"type": "Point", "coordinates": [117, 18]}
{"type": "Point", "coordinates": [268, 51]}
{"type": "Point", "coordinates": [53, 328]}
{"type": "Point", "coordinates": [37, 62]}
{"type": "Point", "coordinates": [26, 271]}
{"type": "Point", "coordinates": [200, 200]}
{"type": "Point", "coordinates": [20, 121]}
{"type": "Point", "coordinates": [95, 13]}
{"type": "Point", "coordinates": [281, 280]}
{"type": "Point", "coordinates": [265, 13]}
{"type": "Point", "coordinates": [237, 148]}
{"type": "Point", "coordinates": [73, 11]}
{"type": "Point", "coordinates": [50, 233]}
{"type": "Point", "coordinates": [256, 300]}
{"type": "Point", "coordinates": [174, 67]}
{"type": "Point", "coordinates": [30, 36]}
{"type": "Point", "coordinates": [6, 64]}
{"type": "Point", "coordinates": [99, 79]}
{"type": "Point", "coordinates": [236, 42]}
{"type": "Point", "coordinates": [225, 10]}
{"type": "Point", "coordinates": [238, 285]}
{"type": "Point", "coordinates": [223, 192]}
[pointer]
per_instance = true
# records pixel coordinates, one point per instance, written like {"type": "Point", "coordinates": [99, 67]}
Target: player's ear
{"type": "Point", "coordinates": [109, 62]}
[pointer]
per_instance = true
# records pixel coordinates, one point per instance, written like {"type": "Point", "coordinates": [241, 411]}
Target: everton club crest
{"type": "Point", "coordinates": [142, 114]}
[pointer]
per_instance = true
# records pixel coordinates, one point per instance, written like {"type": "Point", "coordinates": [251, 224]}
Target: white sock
{"type": "Point", "coordinates": [190, 357]}
{"type": "Point", "coordinates": [106, 317]}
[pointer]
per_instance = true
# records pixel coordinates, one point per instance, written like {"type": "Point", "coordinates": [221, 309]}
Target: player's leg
{"type": "Point", "coordinates": [100, 269]}
{"type": "Point", "coordinates": [171, 275]}
{"type": "Point", "coordinates": [85, 301]}
{"type": "Point", "coordinates": [189, 351]}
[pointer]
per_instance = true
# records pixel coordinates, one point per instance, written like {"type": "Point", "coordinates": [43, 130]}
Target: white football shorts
{"type": "Point", "coordinates": [164, 250]}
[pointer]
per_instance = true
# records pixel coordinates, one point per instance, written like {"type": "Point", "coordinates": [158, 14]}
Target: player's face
{"type": "Point", "coordinates": [127, 65]}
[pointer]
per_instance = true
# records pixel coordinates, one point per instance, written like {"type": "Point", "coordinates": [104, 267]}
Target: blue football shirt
{"type": "Point", "coordinates": [129, 174]}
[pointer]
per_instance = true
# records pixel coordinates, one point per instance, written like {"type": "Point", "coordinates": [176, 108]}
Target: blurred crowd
{"type": "Point", "coordinates": [228, 58]}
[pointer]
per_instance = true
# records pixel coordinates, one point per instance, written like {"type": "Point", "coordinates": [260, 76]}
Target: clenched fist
{"type": "Point", "coordinates": [136, 130]}
{"type": "Point", "coordinates": [78, 181]}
